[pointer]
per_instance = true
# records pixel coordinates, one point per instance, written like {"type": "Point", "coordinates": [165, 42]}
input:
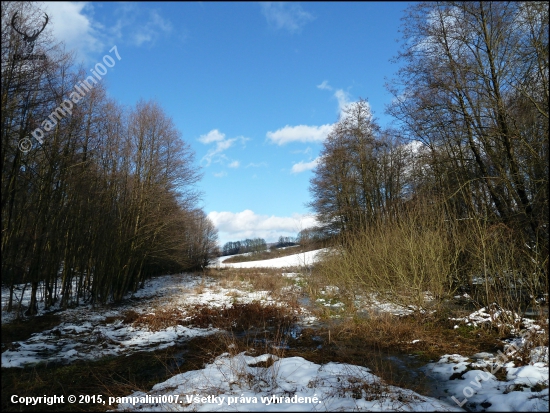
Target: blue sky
{"type": "Point", "coordinates": [253, 87]}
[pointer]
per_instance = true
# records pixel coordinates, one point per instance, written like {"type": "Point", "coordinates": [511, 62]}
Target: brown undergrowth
{"type": "Point", "coordinates": [235, 317]}
{"type": "Point", "coordinates": [427, 337]}
{"type": "Point", "coordinates": [242, 317]}
{"type": "Point", "coordinates": [22, 329]}
{"type": "Point", "coordinates": [110, 376]}
{"type": "Point", "coordinates": [393, 347]}
{"type": "Point", "coordinates": [388, 346]}
{"type": "Point", "coordinates": [252, 279]}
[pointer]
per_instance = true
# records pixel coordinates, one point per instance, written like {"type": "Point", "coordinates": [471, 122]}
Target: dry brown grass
{"type": "Point", "coordinates": [161, 319]}
{"type": "Point", "coordinates": [122, 375]}
{"type": "Point", "coordinates": [379, 341]}
{"type": "Point", "coordinates": [253, 279]}
{"type": "Point", "coordinates": [243, 317]}
{"type": "Point", "coordinates": [533, 338]}
{"type": "Point", "coordinates": [236, 317]}
{"type": "Point", "coordinates": [427, 250]}
{"type": "Point", "coordinates": [109, 376]}
{"type": "Point", "coordinates": [22, 329]}
{"type": "Point", "coordinates": [434, 336]}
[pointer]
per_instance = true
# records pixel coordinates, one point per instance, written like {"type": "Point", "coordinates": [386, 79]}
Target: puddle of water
{"type": "Point", "coordinates": [404, 370]}
{"type": "Point", "coordinates": [409, 373]}
{"type": "Point", "coordinates": [535, 312]}
{"type": "Point", "coordinates": [176, 361]}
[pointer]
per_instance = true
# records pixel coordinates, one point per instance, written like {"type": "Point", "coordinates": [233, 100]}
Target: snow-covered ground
{"type": "Point", "coordinates": [297, 260]}
{"type": "Point", "coordinates": [471, 382]}
{"type": "Point", "coordinates": [86, 333]}
{"type": "Point", "coordinates": [241, 382]}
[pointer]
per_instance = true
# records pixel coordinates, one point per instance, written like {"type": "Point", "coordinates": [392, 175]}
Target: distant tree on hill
{"type": "Point", "coordinates": [311, 235]}
{"type": "Point", "coordinates": [258, 245]}
{"type": "Point", "coordinates": [285, 242]}
{"type": "Point", "coordinates": [231, 248]}
{"type": "Point", "coordinates": [255, 245]}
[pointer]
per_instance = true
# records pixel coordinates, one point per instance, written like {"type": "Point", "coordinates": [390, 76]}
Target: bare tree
{"type": "Point", "coordinates": [473, 88]}
{"type": "Point", "coordinates": [361, 173]}
{"type": "Point", "coordinates": [105, 198]}
{"type": "Point", "coordinates": [475, 85]}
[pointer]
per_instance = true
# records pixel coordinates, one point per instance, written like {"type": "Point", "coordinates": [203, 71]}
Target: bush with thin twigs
{"type": "Point", "coordinates": [242, 317]}
{"type": "Point", "coordinates": [160, 319]}
{"type": "Point", "coordinates": [535, 340]}
{"type": "Point", "coordinates": [503, 268]}
{"type": "Point", "coordinates": [421, 257]}
{"type": "Point", "coordinates": [398, 259]}
{"type": "Point", "coordinates": [235, 317]}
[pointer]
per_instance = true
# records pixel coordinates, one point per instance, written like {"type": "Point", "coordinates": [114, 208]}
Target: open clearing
{"type": "Point", "coordinates": [245, 339]}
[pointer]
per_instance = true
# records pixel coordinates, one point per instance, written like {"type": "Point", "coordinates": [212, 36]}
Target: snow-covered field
{"type": "Point", "coordinates": [297, 260]}
{"type": "Point", "coordinates": [240, 382]}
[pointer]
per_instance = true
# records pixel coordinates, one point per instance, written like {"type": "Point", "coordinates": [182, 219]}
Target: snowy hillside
{"type": "Point", "coordinates": [297, 260]}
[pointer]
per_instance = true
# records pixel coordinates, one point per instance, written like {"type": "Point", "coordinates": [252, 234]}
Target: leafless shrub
{"type": "Point", "coordinates": [401, 259]}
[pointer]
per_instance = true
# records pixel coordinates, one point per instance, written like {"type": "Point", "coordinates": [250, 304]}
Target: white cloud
{"type": "Point", "coordinates": [341, 96]}
{"type": "Point", "coordinates": [304, 166]}
{"type": "Point", "coordinates": [306, 151]}
{"type": "Point", "coordinates": [247, 224]}
{"type": "Point", "coordinates": [414, 146]}
{"type": "Point", "coordinates": [257, 165]}
{"type": "Point", "coordinates": [155, 26]}
{"type": "Point", "coordinates": [75, 25]}
{"type": "Point", "coordinates": [234, 164]}
{"type": "Point", "coordinates": [216, 154]}
{"type": "Point", "coordinates": [343, 100]}
{"type": "Point", "coordinates": [287, 16]}
{"type": "Point", "coordinates": [137, 25]}
{"type": "Point", "coordinates": [300, 133]}
{"type": "Point", "coordinates": [220, 174]}
{"type": "Point", "coordinates": [213, 136]}
{"type": "Point", "coordinates": [325, 85]}
{"type": "Point", "coordinates": [75, 28]}
{"type": "Point", "coordinates": [305, 133]}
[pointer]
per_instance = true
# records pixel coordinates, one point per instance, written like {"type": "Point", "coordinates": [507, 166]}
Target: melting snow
{"type": "Point", "coordinates": [238, 384]}
{"type": "Point", "coordinates": [467, 383]}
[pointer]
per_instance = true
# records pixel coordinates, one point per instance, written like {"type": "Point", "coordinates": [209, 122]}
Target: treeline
{"type": "Point", "coordinates": [107, 200]}
{"type": "Point", "coordinates": [457, 193]}
{"type": "Point", "coordinates": [255, 245]}
{"type": "Point", "coordinates": [314, 236]}
{"type": "Point", "coordinates": [284, 242]}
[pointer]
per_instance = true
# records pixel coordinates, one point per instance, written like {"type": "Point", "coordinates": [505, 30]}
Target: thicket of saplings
{"type": "Point", "coordinates": [107, 199]}
{"type": "Point", "coordinates": [423, 259]}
